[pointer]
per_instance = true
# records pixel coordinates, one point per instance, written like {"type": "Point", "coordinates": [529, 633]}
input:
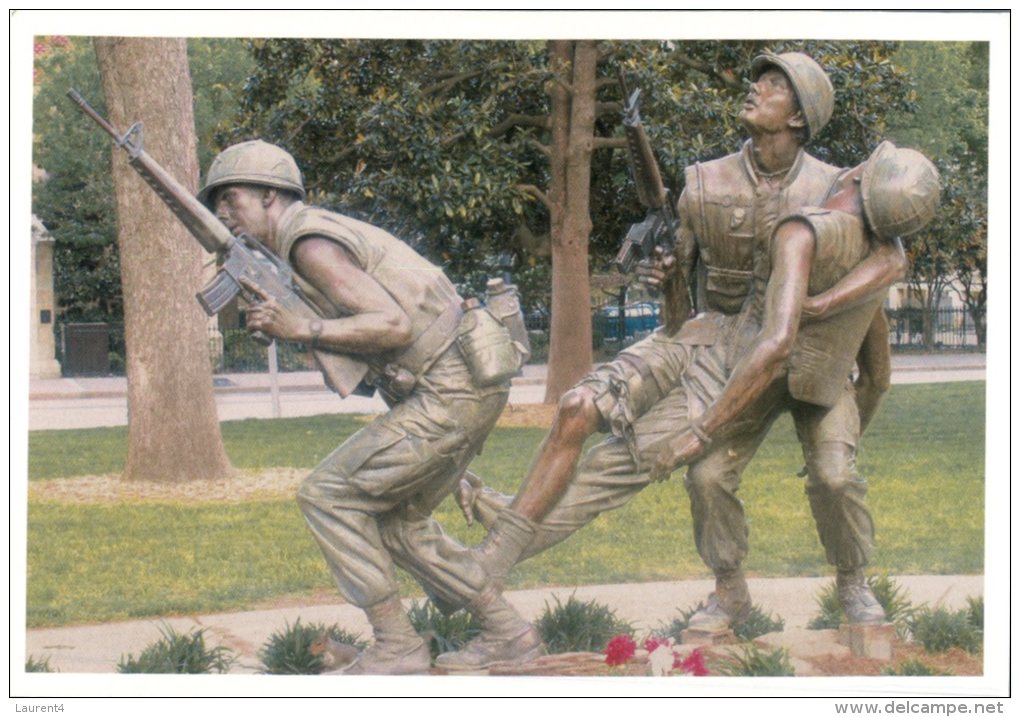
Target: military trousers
{"type": "Point", "coordinates": [369, 503]}
{"type": "Point", "coordinates": [607, 477]}
{"type": "Point", "coordinates": [836, 492]}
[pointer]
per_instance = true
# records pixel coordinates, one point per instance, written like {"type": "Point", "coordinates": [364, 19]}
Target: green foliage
{"type": "Point", "coordinates": [950, 125]}
{"type": "Point", "coordinates": [754, 661]}
{"type": "Point", "coordinates": [913, 668]}
{"type": "Point", "coordinates": [576, 626]}
{"type": "Point", "coordinates": [939, 629]}
{"type": "Point", "coordinates": [435, 140]}
{"type": "Point", "coordinates": [445, 633]}
{"type": "Point", "coordinates": [76, 202]}
{"type": "Point", "coordinates": [890, 595]}
{"type": "Point", "coordinates": [758, 623]}
{"type": "Point", "coordinates": [976, 612]}
{"type": "Point", "coordinates": [830, 612]}
{"type": "Point", "coordinates": [288, 651]}
{"type": "Point", "coordinates": [539, 346]}
{"type": "Point", "coordinates": [38, 664]}
{"type": "Point", "coordinates": [178, 654]}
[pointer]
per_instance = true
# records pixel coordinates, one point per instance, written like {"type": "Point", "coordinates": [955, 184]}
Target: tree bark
{"type": "Point", "coordinates": [173, 429]}
{"type": "Point", "coordinates": [573, 125]}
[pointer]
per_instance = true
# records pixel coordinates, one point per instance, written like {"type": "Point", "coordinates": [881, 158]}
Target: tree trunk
{"type": "Point", "coordinates": [978, 316]}
{"type": "Point", "coordinates": [570, 353]}
{"type": "Point", "coordinates": [930, 317]}
{"type": "Point", "coordinates": [173, 430]}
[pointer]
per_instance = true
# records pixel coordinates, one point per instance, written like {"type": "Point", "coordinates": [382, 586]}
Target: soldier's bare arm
{"type": "Point", "coordinates": [793, 252]}
{"type": "Point", "coordinates": [884, 266]}
{"type": "Point", "coordinates": [372, 321]}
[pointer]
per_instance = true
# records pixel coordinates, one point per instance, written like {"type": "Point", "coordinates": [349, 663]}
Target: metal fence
{"type": "Point", "coordinates": [952, 328]}
{"type": "Point", "coordinates": [98, 348]}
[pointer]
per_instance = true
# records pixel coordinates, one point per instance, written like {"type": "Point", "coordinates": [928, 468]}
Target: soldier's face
{"type": "Point", "coordinates": [771, 104]}
{"type": "Point", "coordinates": [243, 210]}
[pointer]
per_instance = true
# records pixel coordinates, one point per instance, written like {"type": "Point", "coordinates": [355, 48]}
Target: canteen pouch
{"type": "Point", "coordinates": [484, 342]}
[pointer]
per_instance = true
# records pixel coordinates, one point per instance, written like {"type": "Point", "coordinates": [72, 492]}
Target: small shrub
{"type": "Point", "coordinates": [445, 633]}
{"type": "Point", "coordinates": [913, 668]}
{"type": "Point", "coordinates": [539, 341]}
{"type": "Point", "coordinates": [940, 629]}
{"type": "Point", "coordinates": [976, 612]}
{"type": "Point", "coordinates": [577, 626]}
{"type": "Point", "coordinates": [34, 664]}
{"type": "Point", "coordinates": [178, 654]}
{"type": "Point", "coordinates": [756, 662]}
{"type": "Point", "coordinates": [289, 651]}
{"type": "Point", "coordinates": [890, 595]}
{"type": "Point", "coordinates": [830, 613]}
{"type": "Point", "coordinates": [758, 623]}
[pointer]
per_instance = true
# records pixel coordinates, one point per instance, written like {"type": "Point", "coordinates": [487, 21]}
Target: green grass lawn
{"type": "Point", "coordinates": [923, 458]}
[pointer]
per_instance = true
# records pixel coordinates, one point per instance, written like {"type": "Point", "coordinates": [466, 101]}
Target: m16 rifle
{"type": "Point", "coordinates": [240, 256]}
{"type": "Point", "coordinates": [659, 227]}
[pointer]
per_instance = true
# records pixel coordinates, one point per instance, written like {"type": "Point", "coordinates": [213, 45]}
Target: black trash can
{"type": "Point", "coordinates": [85, 349]}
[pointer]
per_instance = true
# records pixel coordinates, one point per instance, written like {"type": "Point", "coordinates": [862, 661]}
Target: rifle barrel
{"type": "Point", "coordinates": [85, 107]}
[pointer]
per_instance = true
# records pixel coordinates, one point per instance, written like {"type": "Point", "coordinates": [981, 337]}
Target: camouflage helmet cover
{"type": "Point", "coordinates": [253, 162]}
{"type": "Point", "coordinates": [810, 83]}
{"type": "Point", "coordinates": [900, 190]}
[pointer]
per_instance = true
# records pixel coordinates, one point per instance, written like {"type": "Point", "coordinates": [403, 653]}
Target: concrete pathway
{"type": "Point", "coordinates": [91, 402]}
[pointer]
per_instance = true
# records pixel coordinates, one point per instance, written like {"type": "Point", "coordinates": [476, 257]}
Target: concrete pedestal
{"type": "Point", "coordinates": [693, 636]}
{"type": "Point", "coordinates": [872, 641]}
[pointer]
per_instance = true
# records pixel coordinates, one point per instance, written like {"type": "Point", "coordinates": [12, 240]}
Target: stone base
{"type": "Point", "coordinates": [565, 663]}
{"type": "Point", "coordinates": [43, 368]}
{"type": "Point", "coordinates": [693, 636]}
{"type": "Point", "coordinates": [872, 641]}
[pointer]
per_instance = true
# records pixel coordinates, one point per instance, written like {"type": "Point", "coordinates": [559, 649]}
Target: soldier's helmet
{"type": "Point", "coordinates": [900, 189]}
{"type": "Point", "coordinates": [810, 83]}
{"type": "Point", "coordinates": [253, 162]}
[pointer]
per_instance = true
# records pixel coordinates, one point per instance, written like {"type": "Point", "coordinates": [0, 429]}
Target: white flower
{"type": "Point", "coordinates": [661, 660]}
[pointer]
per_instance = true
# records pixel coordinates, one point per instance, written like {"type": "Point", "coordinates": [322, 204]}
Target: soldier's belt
{"type": "Point", "coordinates": [432, 342]}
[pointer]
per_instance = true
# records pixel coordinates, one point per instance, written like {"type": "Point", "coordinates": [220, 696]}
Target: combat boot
{"type": "Point", "coordinates": [503, 545]}
{"type": "Point", "coordinates": [506, 637]}
{"type": "Point", "coordinates": [857, 599]}
{"type": "Point", "coordinates": [729, 604]}
{"type": "Point", "coordinates": [397, 650]}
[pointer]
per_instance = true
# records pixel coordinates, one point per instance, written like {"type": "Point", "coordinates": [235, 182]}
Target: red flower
{"type": "Point", "coordinates": [693, 664]}
{"type": "Point", "coordinates": [59, 40]}
{"type": "Point", "coordinates": [653, 642]}
{"type": "Point", "coordinates": [620, 649]}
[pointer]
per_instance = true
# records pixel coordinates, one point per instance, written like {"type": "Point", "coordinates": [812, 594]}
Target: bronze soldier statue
{"type": "Point", "coordinates": [803, 367]}
{"type": "Point", "coordinates": [369, 502]}
{"type": "Point", "coordinates": [728, 211]}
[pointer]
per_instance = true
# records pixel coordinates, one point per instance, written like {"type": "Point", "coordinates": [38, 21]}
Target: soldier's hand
{"type": "Point", "coordinates": [466, 494]}
{"type": "Point", "coordinates": [269, 317]}
{"type": "Point", "coordinates": [679, 451]}
{"type": "Point", "coordinates": [657, 270]}
{"type": "Point", "coordinates": [813, 308]}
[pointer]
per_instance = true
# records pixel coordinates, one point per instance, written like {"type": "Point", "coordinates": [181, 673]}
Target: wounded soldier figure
{"type": "Point", "coordinates": [708, 394]}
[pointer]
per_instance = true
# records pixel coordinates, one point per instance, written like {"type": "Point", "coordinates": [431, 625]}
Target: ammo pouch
{"type": "Point", "coordinates": [484, 342]}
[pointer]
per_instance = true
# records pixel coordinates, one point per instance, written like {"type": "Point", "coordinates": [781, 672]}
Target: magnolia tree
{"type": "Point", "coordinates": [489, 155]}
